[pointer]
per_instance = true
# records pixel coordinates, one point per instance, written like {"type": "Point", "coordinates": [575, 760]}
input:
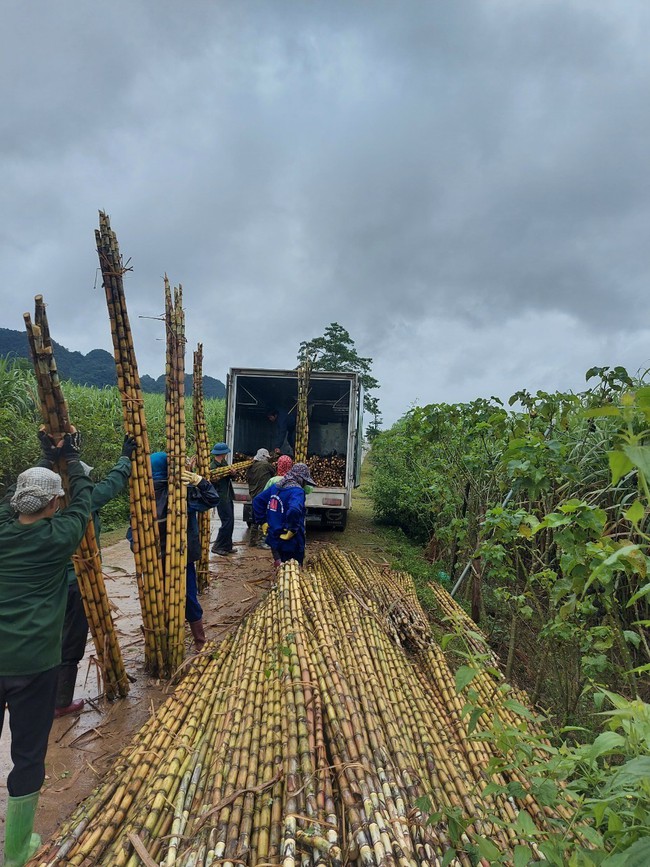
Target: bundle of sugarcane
{"type": "Point", "coordinates": [328, 472]}
{"type": "Point", "coordinates": [144, 526]}
{"type": "Point", "coordinates": [202, 466]}
{"type": "Point", "coordinates": [176, 535]}
{"type": "Point", "coordinates": [311, 737]}
{"type": "Point", "coordinates": [224, 470]}
{"type": "Point", "coordinates": [87, 560]}
{"type": "Point", "coordinates": [302, 416]}
{"type": "Point", "coordinates": [456, 619]}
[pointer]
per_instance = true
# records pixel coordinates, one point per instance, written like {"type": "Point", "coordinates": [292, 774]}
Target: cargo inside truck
{"type": "Point", "coordinates": [328, 410]}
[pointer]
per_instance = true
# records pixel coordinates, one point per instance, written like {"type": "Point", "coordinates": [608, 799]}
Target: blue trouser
{"type": "Point", "coordinates": [226, 512]}
{"type": "Point", "coordinates": [288, 549]}
{"type": "Point", "coordinates": [30, 700]}
{"type": "Point", "coordinates": [193, 610]}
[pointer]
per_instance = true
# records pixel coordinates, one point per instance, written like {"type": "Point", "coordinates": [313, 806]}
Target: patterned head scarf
{"type": "Point", "coordinates": [262, 455]}
{"type": "Point", "coordinates": [297, 477]}
{"type": "Point", "coordinates": [284, 465]}
{"type": "Point", "coordinates": [34, 490]}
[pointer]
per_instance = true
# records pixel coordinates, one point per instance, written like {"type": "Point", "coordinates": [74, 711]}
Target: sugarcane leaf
{"type": "Point", "coordinates": [645, 590]}
{"type": "Point", "coordinates": [464, 676]}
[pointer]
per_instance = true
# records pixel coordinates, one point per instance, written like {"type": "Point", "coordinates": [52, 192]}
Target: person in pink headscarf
{"type": "Point", "coordinates": [284, 465]}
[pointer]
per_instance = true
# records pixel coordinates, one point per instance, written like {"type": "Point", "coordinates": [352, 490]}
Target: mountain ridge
{"type": "Point", "coordinates": [97, 367]}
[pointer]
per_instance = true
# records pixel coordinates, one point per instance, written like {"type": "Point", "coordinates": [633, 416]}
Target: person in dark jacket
{"type": "Point", "coordinates": [201, 497]}
{"type": "Point", "coordinates": [281, 511]}
{"type": "Point", "coordinates": [257, 476]}
{"type": "Point", "coordinates": [284, 428]}
{"type": "Point", "coordinates": [75, 624]}
{"type": "Point", "coordinates": [226, 506]}
{"type": "Point", "coordinates": [37, 541]}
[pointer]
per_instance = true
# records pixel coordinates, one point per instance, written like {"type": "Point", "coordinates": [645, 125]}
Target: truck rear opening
{"type": "Point", "coordinates": [332, 447]}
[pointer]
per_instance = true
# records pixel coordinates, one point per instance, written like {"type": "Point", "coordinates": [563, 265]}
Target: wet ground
{"type": "Point", "coordinates": [82, 747]}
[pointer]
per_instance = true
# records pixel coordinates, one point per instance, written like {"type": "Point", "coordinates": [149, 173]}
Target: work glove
{"type": "Point", "coordinates": [288, 534]}
{"type": "Point", "coordinates": [265, 528]}
{"type": "Point", "coordinates": [191, 478]}
{"type": "Point", "coordinates": [128, 447]}
{"type": "Point", "coordinates": [70, 448]}
{"type": "Point", "coordinates": [48, 446]}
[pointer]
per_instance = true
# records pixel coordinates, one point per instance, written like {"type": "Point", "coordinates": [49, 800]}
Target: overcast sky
{"type": "Point", "coordinates": [462, 185]}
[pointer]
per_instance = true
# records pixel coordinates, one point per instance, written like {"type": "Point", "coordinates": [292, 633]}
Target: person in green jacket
{"type": "Point", "coordinates": [37, 540]}
{"type": "Point", "coordinates": [257, 475]}
{"type": "Point", "coordinates": [75, 624]}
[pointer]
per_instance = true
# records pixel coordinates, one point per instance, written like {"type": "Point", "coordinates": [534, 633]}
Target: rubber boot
{"type": "Point", "coordinates": [65, 692]}
{"type": "Point", "coordinates": [255, 535]}
{"type": "Point", "coordinates": [20, 842]}
{"type": "Point", "coordinates": [198, 634]}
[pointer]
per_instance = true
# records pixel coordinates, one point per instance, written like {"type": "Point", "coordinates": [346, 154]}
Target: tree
{"type": "Point", "coordinates": [375, 425]}
{"type": "Point", "coordinates": [335, 350]}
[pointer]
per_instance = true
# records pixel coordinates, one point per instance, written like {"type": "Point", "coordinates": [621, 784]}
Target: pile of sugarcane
{"type": "Point", "coordinates": [312, 736]}
{"type": "Point", "coordinates": [302, 416]}
{"type": "Point", "coordinates": [146, 538]}
{"type": "Point", "coordinates": [87, 561]}
{"type": "Point", "coordinates": [327, 472]}
{"type": "Point", "coordinates": [176, 535]}
{"type": "Point", "coordinates": [202, 465]}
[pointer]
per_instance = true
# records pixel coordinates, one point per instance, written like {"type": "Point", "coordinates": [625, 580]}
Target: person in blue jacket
{"type": "Point", "coordinates": [201, 497]}
{"type": "Point", "coordinates": [281, 511]}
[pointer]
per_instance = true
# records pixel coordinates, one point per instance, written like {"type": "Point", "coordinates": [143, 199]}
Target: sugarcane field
{"type": "Point", "coordinates": [253, 633]}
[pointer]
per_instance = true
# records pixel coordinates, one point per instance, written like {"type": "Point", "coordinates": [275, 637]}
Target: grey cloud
{"type": "Point", "coordinates": [383, 166]}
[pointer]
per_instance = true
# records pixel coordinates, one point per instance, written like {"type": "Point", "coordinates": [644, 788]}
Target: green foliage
{"type": "Point", "coordinates": [549, 499]}
{"type": "Point", "coordinates": [335, 350]}
{"type": "Point", "coordinates": [97, 413]}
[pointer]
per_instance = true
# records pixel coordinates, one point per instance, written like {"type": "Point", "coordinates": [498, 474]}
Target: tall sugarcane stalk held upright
{"type": "Point", "coordinates": [202, 465]}
{"type": "Point", "coordinates": [302, 416]}
{"type": "Point", "coordinates": [176, 537]}
{"type": "Point", "coordinates": [87, 560]}
{"type": "Point", "coordinates": [144, 526]}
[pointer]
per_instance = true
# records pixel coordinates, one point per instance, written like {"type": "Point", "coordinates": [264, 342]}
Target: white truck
{"type": "Point", "coordinates": [335, 411]}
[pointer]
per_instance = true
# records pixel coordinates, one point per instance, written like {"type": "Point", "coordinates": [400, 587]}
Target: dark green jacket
{"type": "Point", "coordinates": [222, 486]}
{"type": "Point", "coordinates": [103, 493]}
{"type": "Point", "coordinates": [257, 475]}
{"type": "Point", "coordinates": [33, 571]}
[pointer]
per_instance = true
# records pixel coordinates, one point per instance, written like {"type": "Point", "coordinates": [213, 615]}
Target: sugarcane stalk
{"type": "Point", "coordinates": [144, 526]}
{"type": "Point", "coordinates": [202, 466]}
{"type": "Point", "coordinates": [87, 560]}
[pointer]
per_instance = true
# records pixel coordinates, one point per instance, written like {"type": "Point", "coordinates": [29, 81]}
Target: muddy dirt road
{"type": "Point", "coordinates": [82, 747]}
